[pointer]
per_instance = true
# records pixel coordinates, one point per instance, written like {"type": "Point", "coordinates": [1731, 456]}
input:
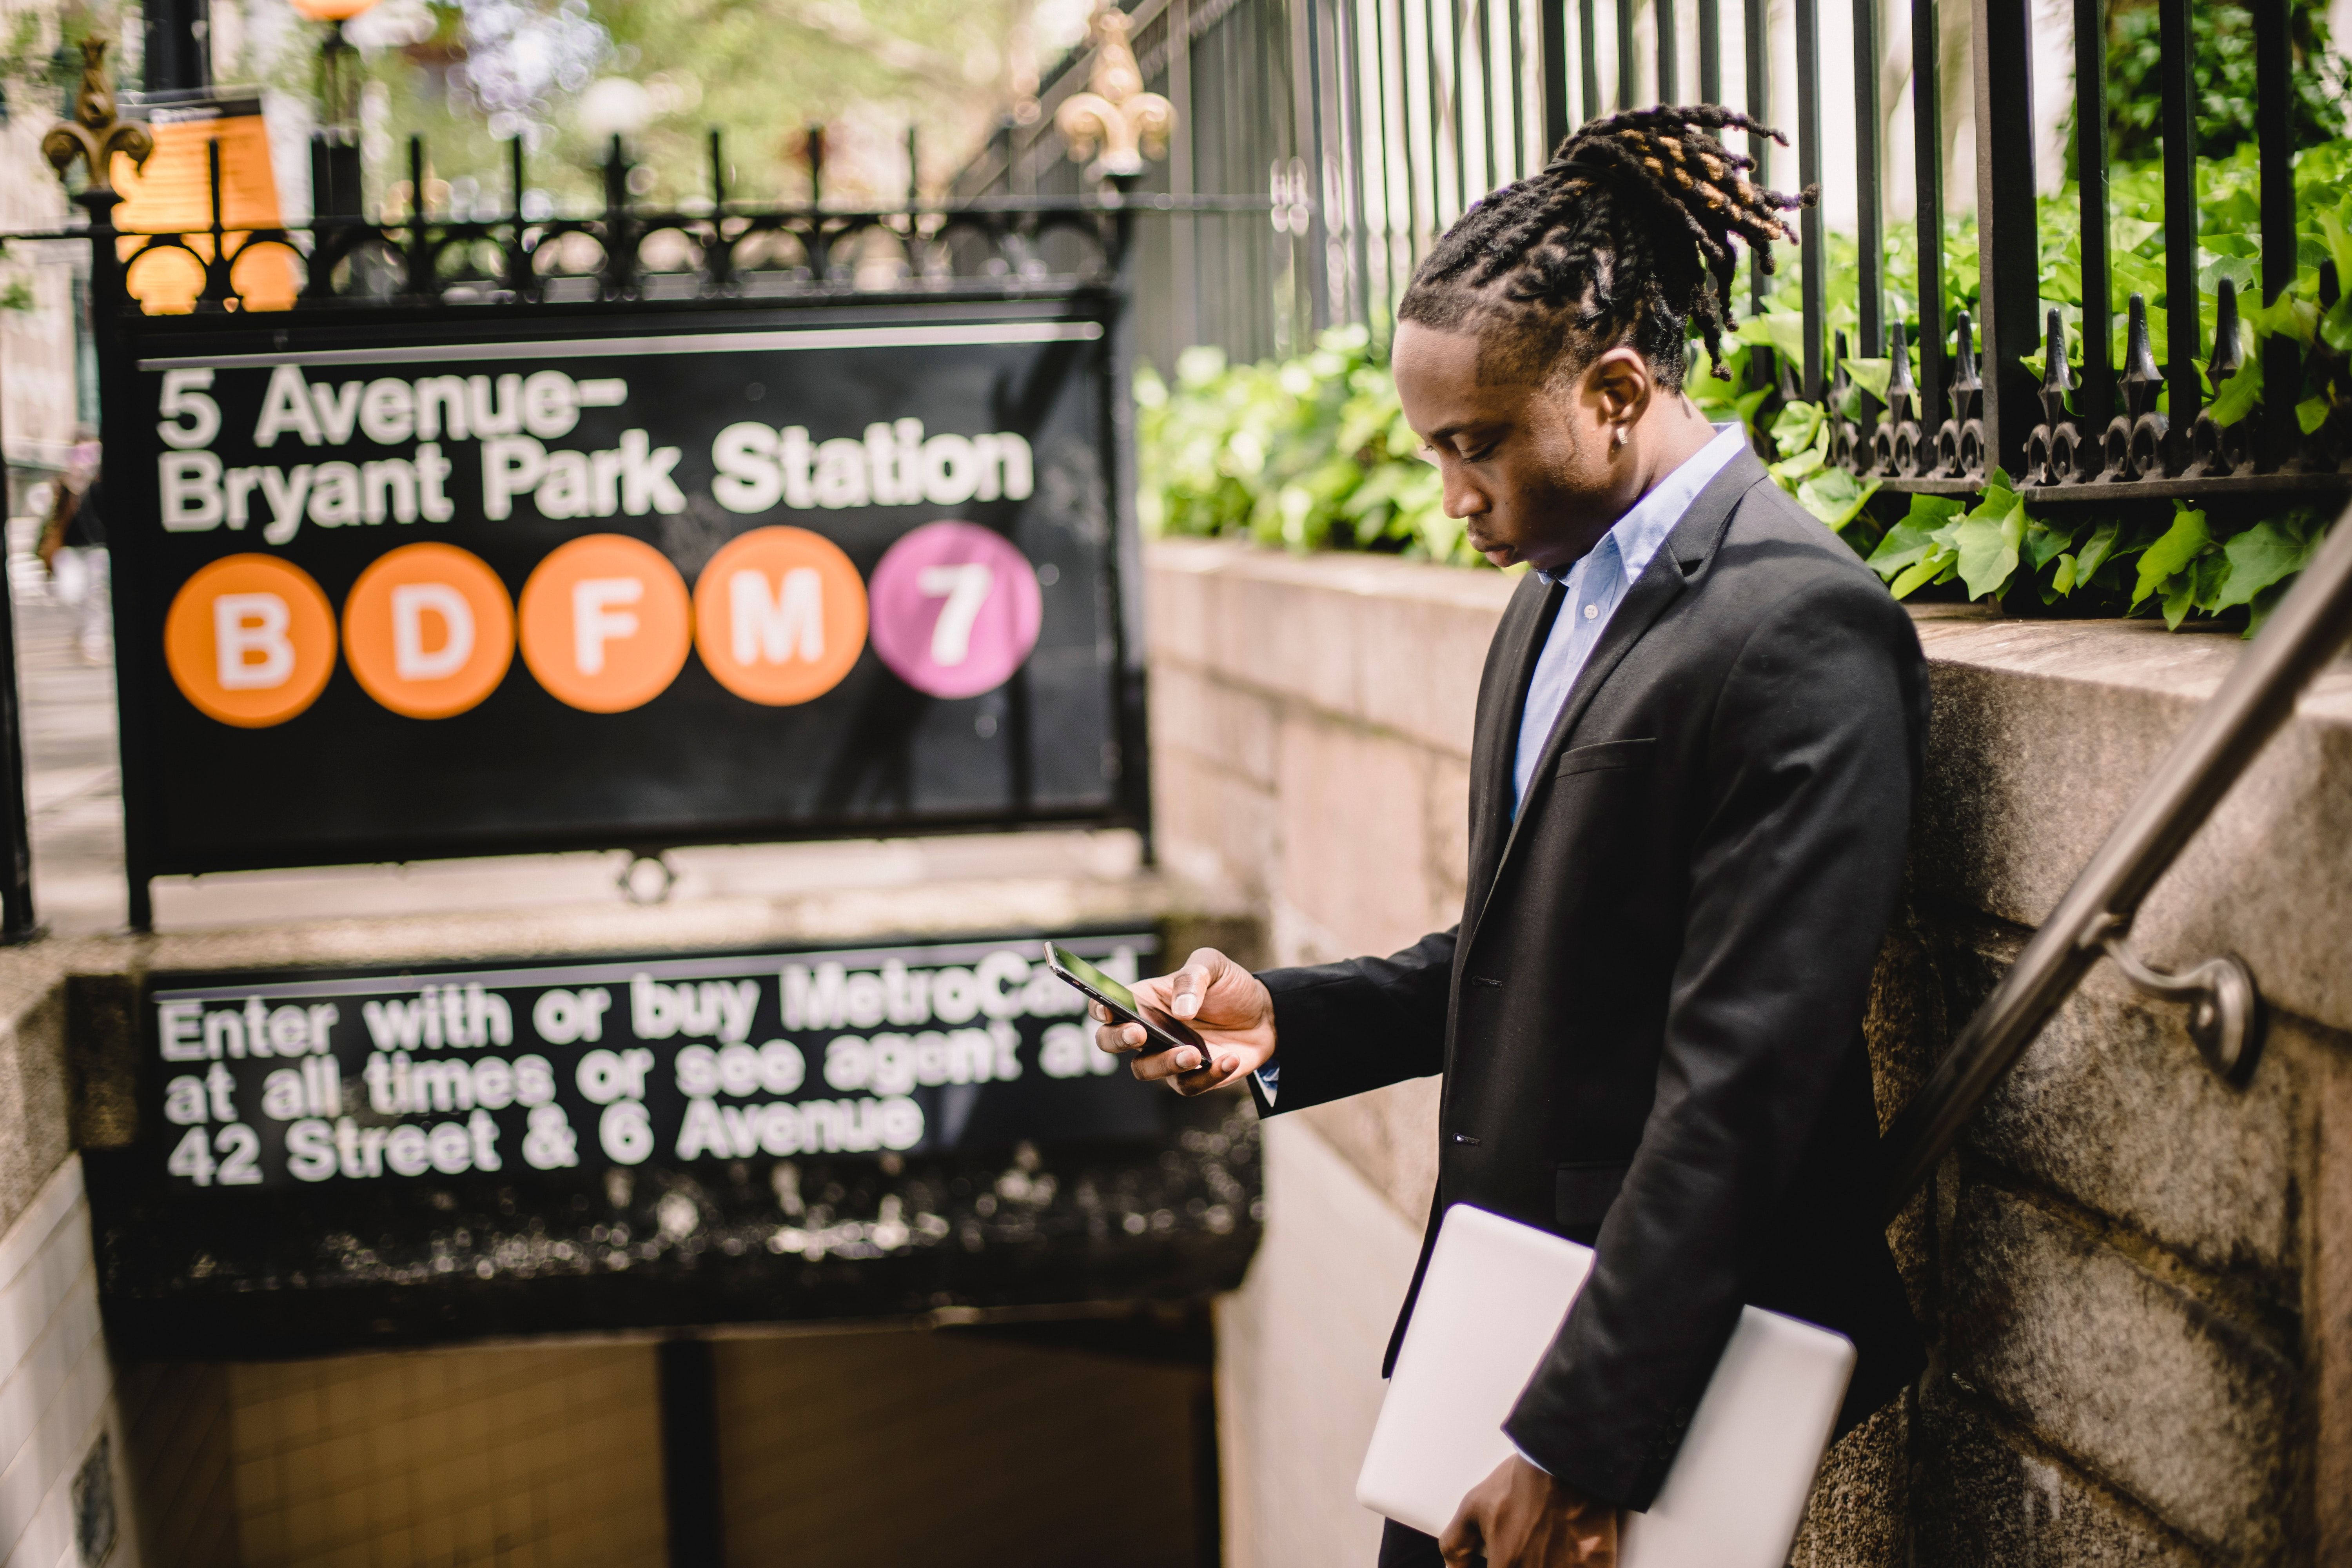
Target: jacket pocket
{"type": "Point", "coordinates": [1582, 1192]}
{"type": "Point", "coordinates": [1607, 754]}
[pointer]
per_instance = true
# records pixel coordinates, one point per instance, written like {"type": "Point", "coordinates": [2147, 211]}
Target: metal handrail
{"type": "Point", "coordinates": [2301, 636]}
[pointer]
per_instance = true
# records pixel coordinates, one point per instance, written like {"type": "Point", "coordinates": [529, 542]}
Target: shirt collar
{"type": "Point", "coordinates": [1648, 522]}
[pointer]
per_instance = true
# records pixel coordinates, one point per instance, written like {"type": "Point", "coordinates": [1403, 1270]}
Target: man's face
{"type": "Point", "coordinates": [1536, 471]}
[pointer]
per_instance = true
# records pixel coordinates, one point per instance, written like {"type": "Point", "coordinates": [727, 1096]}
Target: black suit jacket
{"type": "Point", "coordinates": [1649, 1017]}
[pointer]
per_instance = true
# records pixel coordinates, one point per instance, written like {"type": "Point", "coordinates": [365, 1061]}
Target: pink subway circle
{"type": "Point", "coordinates": [955, 609]}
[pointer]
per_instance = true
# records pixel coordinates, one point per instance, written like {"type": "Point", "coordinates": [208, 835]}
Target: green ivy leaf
{"type": "Point", "coordinates": [1930, 570]}
{"type": "Point", "coordinates": [2062, 581]}
{"type": "Point", "coordinates": [2241, 392]}
{"type": "Point", "coordinates": [2045, 544]}
{"type": "Point", "coordinates": [1835, 497]}
{"type": "Point", "coordinates": [2095, 551]}
{"type": "Point", "coordinates": [2333, 235]}
{"type": "Point", "coordinates": [1872, 375]}
{"type": "Point", "coordinates": [2312, 413]}
{"type": "Point", "coordinates": [1783, 332]}
{"type": "Point", "coordinates": [2335, 327]}
{"type": "Point", "coordinates": [1910, 541]}
{"type": "Point", "coordinates": [1988, 542]}
{"type": "Point", "coordinates": [2177, 601]}
{"type": "Point", "coordinates": [2183, 542]}
{"type": "Point", "coordinates": [2288, 316]}
{"type": "Point", "coordinates": [2264, 554]}
{"type": "Point", "coordinates": [1794, 428]}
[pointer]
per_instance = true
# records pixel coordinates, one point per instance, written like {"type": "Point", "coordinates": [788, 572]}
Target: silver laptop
{"type": "Point", "coordinates": [1493, 1300]}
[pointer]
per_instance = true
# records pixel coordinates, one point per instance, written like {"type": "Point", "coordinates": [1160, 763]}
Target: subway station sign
{"type": "Point", "coordinates": [325, 1159]}
{"type": "Point", "coordinates": [323, 1082]}
{"type": "Point", "coordinates": [691, 577]}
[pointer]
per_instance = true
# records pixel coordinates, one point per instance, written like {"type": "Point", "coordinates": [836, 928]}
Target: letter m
{"type": "Point", "coordinates": [770, 629]}
{"type": "Point", "coordinates": [817, 1001]}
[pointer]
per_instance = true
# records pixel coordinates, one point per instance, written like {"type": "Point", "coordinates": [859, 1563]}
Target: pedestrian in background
{"type": "Point", "coordinates": [73, 547]}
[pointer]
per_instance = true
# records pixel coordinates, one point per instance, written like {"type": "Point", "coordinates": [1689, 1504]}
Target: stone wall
{"type": "Point", "coordinates": [2137, 1282]}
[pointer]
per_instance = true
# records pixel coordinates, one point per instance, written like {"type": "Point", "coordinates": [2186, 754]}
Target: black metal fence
{"type": "Point", "coordinates": [1372, 124]}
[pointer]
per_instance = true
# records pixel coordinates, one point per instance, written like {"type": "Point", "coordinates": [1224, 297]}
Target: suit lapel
{"type": "Point", "coordinates": [1693, 539]}
{"type": "Point", "coordinates": [1520, 639]}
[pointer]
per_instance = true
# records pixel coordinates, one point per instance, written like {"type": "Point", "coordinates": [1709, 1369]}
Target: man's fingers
{"type": "Point", "coordinates": [1461, 1541]}
{"type": "Point", "coordinates": [1191, 983]}
{"type": "Point", "coordinates": [1119, 1039]}
{"type": "Point", "coordinates": [1176, 1062]}
{"type": "Point", "coordinates": [1200, 1080]}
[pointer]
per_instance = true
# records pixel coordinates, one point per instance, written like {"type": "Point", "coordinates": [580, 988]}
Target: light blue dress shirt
{"type": "Point", "coordinates": [1596, 586]}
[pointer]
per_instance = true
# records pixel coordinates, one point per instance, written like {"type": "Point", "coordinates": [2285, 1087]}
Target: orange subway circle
{"type": "Point", "coordinates": [605, 622]}
{"type": "Point", "coordinates": [250, 640]}
{"type": "Point", "coordinates": [428, 630]}
{"type": "Point", "coordinates": [779, 615]}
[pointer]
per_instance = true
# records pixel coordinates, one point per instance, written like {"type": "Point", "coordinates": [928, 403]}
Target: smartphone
{"type": "Point", "coordinates": [1161, 1030]}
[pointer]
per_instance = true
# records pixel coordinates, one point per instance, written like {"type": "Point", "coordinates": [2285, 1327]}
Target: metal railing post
{"type": "Point", "coordinates": [1813, 232]}
{"type": "Point", "coordinates": [17, 921]}
{"type": "Point", "coordinates": [2095, 400]}
{"type": "Point", "coordinates": [1588, 36]}
{"type": "Point", "coordinates": [1758, 44]}
{"type": "Point", "coordinates": [1553, 31]}
{"type": "Point", "coordinates": [1661, 13]}
{"type": "Point", "coordinates": [1710, 51]}
{"type": "Point", "coordinates": [1928, 178]}
{"type": "Point", "coordinates": [2009, 292]}
{"type": "Point", "coordinates": [2274, 129]}
{"type": "Point", "coordinates": [1629, 82]}
{"type": "Point", "coordinates": [2176, 65]}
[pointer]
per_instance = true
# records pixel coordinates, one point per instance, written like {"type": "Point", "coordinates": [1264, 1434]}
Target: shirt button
{"type": "Point", "coordinates": [1590, 611]}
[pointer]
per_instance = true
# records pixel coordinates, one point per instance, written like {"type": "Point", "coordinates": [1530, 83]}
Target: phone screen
{"type": "Point", "coordinates": [1115, 994]}
{"type": "Point", "coordinates": [1166, 1030]}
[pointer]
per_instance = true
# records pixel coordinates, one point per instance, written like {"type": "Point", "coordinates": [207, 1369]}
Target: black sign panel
{"type": "Point", "coordinates": [532, 583]}
{"type": "Point", "coordinates": [630, 1141]}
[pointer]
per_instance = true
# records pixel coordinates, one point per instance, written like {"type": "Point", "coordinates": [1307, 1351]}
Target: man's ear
{"type": "Point", "coordinates": [1618, 387]}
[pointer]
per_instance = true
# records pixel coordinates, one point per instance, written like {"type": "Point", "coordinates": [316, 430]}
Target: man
{"type": "Point", "coordinates": [1697, 739]}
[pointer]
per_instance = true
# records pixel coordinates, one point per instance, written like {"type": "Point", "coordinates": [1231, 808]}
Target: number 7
{"type": "Point", "coordinates": [965, 587]}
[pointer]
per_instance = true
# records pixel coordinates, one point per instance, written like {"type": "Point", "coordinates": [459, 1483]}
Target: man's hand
{"type": "Point", "coordinates": [1520, 1518]}
{"type": "Point", "coordinates": [1226, 1004]}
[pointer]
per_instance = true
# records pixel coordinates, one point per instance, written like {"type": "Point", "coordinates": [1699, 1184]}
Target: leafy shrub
{"type": "Point", "coordinates": [1311, 454]}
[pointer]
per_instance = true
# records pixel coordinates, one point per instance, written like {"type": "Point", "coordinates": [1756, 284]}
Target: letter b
{"type": "Point", "coordinates": [249, 631]}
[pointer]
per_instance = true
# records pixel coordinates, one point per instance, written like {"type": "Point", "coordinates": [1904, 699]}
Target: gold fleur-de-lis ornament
{"type": "Point", "coordinates": [1115, 115]}
{"type": "Point", "coordinates": [93, 136]}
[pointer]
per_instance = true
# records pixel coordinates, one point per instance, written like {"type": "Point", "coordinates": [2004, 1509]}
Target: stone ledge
{"type": "Point", "coordinates": [1393, 644]}
{"type": "Point", "coordinates": [2043, 733]}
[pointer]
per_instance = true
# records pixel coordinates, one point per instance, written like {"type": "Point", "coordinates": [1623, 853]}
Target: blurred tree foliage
{"type": "Point", "coordinates": [470, 75]}
{"type": "Point", "coordinates": [2224, 76]}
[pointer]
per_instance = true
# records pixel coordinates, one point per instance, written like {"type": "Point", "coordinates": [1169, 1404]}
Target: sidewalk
{"type": "Point", "coordinates": [73, 786]}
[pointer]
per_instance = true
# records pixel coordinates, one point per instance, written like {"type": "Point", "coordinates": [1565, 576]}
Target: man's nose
{"type": "Point", "coordinates": [1464, 499]}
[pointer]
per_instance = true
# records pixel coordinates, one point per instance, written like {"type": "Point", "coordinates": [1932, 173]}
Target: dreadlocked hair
{"type": "Point", "coordinates": [1625, 236]}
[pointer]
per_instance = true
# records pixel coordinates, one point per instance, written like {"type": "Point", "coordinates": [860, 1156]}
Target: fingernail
{"type": "Point", "coordinates": [1192, 1061]}
{"type": "Point", "coordinates": [1187, 1004]}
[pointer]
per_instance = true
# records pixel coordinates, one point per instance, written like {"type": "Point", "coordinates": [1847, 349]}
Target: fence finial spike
{"type": "Point", "coordinates": [2227, 355]}
{"type": "Point", "coordinates": [94, 135]}
{"type": "Point", "coordinates": [2057, 375]}
{"type": "Point", "coordinates": [2139, 354]}
{"type": "Point", "coordinates": [1115, 115]}
{"type": "Point", "coordinates": [1964, 356]}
